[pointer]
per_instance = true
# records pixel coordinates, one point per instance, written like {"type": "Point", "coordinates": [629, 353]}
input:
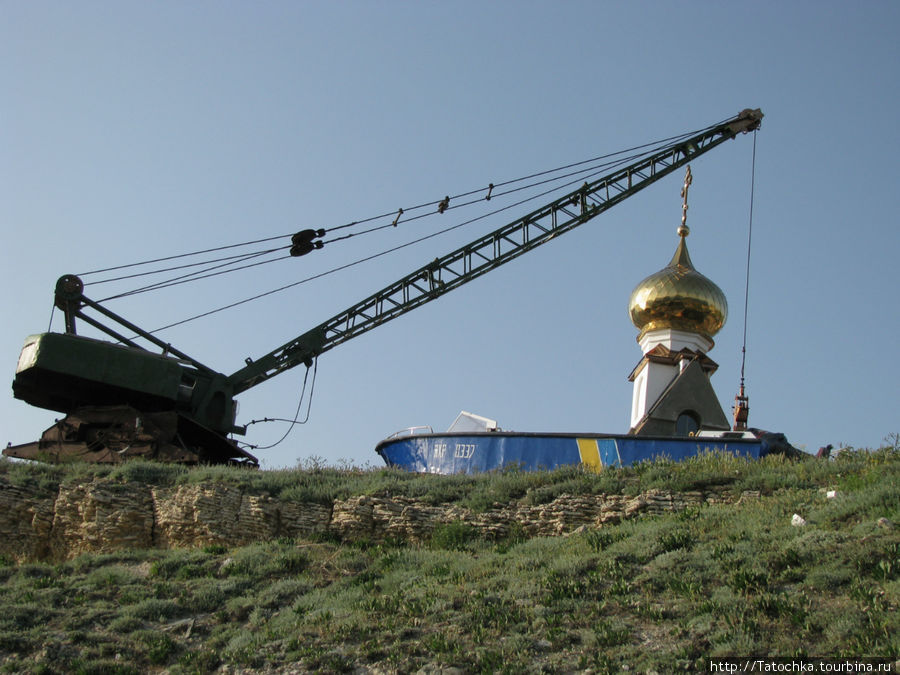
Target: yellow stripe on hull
{"type": "Point", "coordinates": [590, 453]}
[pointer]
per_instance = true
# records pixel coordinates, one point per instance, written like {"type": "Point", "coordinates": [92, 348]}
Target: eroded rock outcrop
{"type": "Point", "coordinates": [26, 518]}
{"type": "Point", "coordinates": [195, 515]}
{"type": "Point", "coordinates": [102, 516]}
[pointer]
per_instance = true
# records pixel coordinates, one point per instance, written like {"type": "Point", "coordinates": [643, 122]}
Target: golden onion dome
{"type": "Point", "coordinates": [678, 297]}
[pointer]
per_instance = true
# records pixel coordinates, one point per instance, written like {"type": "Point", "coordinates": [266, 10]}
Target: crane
{"type": "Point", "coordinates": [122, 400]}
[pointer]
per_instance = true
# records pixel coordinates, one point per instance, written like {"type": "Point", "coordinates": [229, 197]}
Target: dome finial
{"type": "Point", "coordinates": [684, 230]}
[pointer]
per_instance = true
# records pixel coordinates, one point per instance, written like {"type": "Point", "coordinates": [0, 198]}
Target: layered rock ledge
{"type": "Point", "coordinates": [106, 516]}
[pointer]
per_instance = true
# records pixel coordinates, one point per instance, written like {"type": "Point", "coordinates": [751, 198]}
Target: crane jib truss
{"type": "Point", "coordinates": [490, 251]}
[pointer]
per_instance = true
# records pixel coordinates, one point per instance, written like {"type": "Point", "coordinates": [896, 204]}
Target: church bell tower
{"type": "Point", "coordinates": [677, 311]}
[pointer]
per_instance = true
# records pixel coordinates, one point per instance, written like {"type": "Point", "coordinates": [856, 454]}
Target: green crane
{"type": "Point", "coordinates": [122, 400]}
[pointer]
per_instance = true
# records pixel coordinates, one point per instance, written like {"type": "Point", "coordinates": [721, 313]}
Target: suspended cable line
{"type": "Point", "coordinates": [749, 242]}
{"type": "Point", "coordinates": [234, 263]}
{"type": "Point", "coordinates": [182, 255]}
{"type": "Point", "coordinates": [200, 274]}
{"type": "Point", "coordinates": [294, 422]}
{"type": "Point", "coordinates": [673, 140]}
{"type": "Point", "coordinates": [741, 410]}
{"type": "Point", "coordinates": [583, 173]}
{"type": "Point", "coordinates": [653, 147]}
{"type": "Point", "coordinates": [239, 257]}
{"type": "Point", "coordinates": [376, 255]}
{"type": "Point", "coordinates": [349, 265]}
{"type": "Point", "coordinates": [232, 260]}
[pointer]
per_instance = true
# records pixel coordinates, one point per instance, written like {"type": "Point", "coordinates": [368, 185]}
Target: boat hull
{"type": "Point", "coordinates": [476, 452]}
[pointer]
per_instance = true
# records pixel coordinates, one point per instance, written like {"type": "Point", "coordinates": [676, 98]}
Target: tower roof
{"type": "Point", "coordinates": [678, 296]}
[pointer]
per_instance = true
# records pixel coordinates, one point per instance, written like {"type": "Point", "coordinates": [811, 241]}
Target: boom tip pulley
{"type": "Point", "coordinates": [69, 288]}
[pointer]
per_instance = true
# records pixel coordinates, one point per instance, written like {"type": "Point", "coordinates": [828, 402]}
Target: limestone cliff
{"type": "Point", "coordinates": [104, 516]}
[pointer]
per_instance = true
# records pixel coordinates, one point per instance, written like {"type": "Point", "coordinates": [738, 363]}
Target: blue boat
{"type": "Point", "coordinates": [478, 451]}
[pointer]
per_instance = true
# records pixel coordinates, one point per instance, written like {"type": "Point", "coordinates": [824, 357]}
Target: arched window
{"type": "Point", "coordinates": [687, 424]}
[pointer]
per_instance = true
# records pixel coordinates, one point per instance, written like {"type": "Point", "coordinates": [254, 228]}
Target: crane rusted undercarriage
{"type": "Point", "coordinates": [113, 434]}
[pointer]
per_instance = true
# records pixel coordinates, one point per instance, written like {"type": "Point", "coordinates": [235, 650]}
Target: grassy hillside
{"type": "Point", "coordinates": [660, 593]}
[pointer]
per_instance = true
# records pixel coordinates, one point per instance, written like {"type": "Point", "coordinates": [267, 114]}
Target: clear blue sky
{"type": "Point", "coordinates": [135, 130]}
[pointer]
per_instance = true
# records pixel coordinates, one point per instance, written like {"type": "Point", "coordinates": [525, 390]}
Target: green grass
{"type": "Point", "coordinates": [316, 483]}
{"type": "Point", "coordinates": [656, 593]}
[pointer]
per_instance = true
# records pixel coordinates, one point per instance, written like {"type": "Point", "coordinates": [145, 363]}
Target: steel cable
{"type": "Point", "coordinates": [233, 262]}
{"type": "Point", "coordinates": [353, 263]}
{"type": "Point", "coordinates": [655, 144]}
{"type": "Point", "coordinates": [295, 421]}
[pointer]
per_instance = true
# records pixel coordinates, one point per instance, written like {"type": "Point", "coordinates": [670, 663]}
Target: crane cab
{"type": "Point", "coordinates": [61, 371]}
{"type": "Point", "coordinates": [122, 402]}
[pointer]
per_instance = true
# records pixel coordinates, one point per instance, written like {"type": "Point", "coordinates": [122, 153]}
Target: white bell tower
{"type": "Point", "coordinates": [677, 311]}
